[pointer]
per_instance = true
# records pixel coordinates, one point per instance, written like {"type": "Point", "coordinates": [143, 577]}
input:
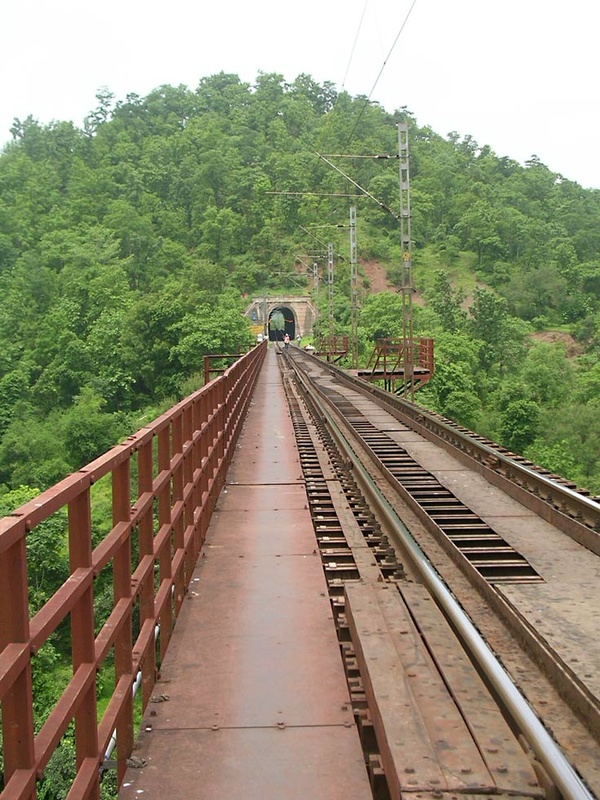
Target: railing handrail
{"type": "Point", "coordinates": [393, 351]}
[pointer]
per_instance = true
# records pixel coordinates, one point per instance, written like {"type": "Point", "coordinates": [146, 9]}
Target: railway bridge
{"type": "Point", "coordinates": [319, 590]}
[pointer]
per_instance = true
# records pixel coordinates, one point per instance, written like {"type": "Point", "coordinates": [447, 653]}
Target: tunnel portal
{"type": "Point", "coordinates": [282, 320]}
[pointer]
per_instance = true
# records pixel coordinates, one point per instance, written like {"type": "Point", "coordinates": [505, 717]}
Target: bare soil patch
{"type": "Point", "coordinates": [572, 347]}
{"type": "Point", "coordinates": [377, 276]}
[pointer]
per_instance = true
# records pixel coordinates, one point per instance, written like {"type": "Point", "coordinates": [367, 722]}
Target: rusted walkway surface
{"type": "Point", "coordinates": [440, 729]}
{"type": "Point", "coordinates": [253, 700]}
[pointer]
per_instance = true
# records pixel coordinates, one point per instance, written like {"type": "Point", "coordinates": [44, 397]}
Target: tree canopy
{"type": "Point", "coordinates": [127, 248]}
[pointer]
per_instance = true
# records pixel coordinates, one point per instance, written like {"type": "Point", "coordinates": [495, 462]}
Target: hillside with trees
{"type": "Point", "coordinates": [127, 247]}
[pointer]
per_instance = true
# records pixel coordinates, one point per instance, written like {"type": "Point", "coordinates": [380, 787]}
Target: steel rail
{"type": "Point", "coordinates": [542, 744]}
{"type": "Point", "coordinates": [492, 452]}
{"type": "Point", "coordinates": [411, 411]}
{"type": "Point", "coordinates": [566, 508]}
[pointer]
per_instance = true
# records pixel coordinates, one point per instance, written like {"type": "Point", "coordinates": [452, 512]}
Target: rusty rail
{"type": "Point", "coordinates": [159, 521]}
{"type": "Point", "coordinates": [522, 715]}
{"type": "Point", "coordinates": [566, 508]}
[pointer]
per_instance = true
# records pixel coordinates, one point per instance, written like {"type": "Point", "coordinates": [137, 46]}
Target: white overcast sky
{"type": "Point", "coordinates": [519, 75]}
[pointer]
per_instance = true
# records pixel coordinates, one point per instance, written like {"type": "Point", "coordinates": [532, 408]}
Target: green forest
{"type": "Point", "coordinates": [129, 249]}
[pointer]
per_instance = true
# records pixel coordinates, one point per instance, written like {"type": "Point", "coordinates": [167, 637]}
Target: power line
{"type": "Point", "coordinates": [359, 187]}
{"type": "Point", "coordinates": [383, 66]}
{"type": "Point", "coordinates": [386, 59]}
{"type": "Point", "coordinates": [354, 45]}
{"type": "Point", "coordinates": [323, 244]}
{"type": "Point", "coordinates": [376, 156]}
{"type": "Point", "coordinates": [318, 194]}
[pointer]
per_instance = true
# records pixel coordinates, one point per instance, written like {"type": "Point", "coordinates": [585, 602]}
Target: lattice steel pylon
{"type": "Point", "coordinates": [331, 346]}
{"type": "Point", "coordinates": [407, 287]}
{"type": "Point", "coordinates": [353, 289]}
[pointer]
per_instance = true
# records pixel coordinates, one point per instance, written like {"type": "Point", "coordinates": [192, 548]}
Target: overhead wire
{"type": "Point", "coordinates": [362, 17]}
{"type": "Point", "coordinates": [368, 98]}
{"type": "Point", "coordinates": [351, 135]}
{"type": "Point", "coordinates": [395, 42]}
{"type": "Point", "coordinates": [380, 73]}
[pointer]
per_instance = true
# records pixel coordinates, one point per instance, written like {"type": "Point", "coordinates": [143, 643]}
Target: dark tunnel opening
{"type": "Point", "coordinates": [281, 321]}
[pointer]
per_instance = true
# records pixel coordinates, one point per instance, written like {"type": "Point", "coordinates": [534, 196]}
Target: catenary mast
{"type": "Point", "coordinates": [407, 288]}
{"type": "Point", "coordinates": [353, 288]}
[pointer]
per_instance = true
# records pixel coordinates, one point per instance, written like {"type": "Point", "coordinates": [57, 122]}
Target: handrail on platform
{"type": "Point", "coordinates": [165, 480]}
{"type": "Point", "coordinates": [391, 355]}
{"type": "Point", "coordinates": [409, 360]}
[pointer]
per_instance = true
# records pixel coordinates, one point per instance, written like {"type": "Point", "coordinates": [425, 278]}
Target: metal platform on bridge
{"type": "Point", "coordinates": [407, 363]}
{"type": "Point", "coordinates": [252, 700]}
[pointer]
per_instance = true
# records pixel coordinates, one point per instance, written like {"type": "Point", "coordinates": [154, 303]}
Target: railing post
{"type": "Point", "coordinates": [123, 639]}
{"type": "Point", "coordinates": [233, 392]}
{"type": "Point", "coordinates": [203, 458]}
{"type": "Point", "coordinates": [164, 521]}
{"type": "Point", "coordinates": [222, 433]}
{"type": "Point", "coordinates": [177, 500]}
{"type": "Point", "coordinates": [82, 629]}
{"type": "Point", "coordinates": [17, 704]}
{"type": "Point", "coordinates": [188, 493]}
{"type": "Point", "coordinates": [146, 547]}
{"type": "Point", "coordinates": [197, 422]}
{"type": "Point", "coordinates": [211, 442]}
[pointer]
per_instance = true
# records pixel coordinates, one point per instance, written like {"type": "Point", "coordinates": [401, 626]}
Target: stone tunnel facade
{"type": "Point", "coordinates": [299, 313]}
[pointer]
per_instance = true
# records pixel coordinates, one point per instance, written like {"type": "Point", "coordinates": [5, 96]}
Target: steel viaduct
{"type": "Point", "coordinates": [319, 590]}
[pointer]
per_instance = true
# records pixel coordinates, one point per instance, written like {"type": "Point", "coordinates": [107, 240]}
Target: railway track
{"type": "Point", "coordinates": [493, 687]}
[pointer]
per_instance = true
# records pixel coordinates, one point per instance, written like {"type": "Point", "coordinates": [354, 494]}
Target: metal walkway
{"type": "Point", "coordinates": [252, 700]}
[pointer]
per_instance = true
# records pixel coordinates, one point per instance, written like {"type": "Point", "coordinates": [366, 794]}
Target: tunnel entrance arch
{"type": "Point", "coordinates": [302, 311]}
{"type": "Point", "coordinates": [282, 320]}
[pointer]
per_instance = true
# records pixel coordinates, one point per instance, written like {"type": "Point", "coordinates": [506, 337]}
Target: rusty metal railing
{"type": "Point", "coordinates": [211, 371]}
{"type": "Point", "coordinates": [332, 348]}
{"type": "Point", "coordinates": [165, 480]}
{"type": "Point", "coordinates": [391, 354]}
{"type": "Point", "coordinates": [393, 359]}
